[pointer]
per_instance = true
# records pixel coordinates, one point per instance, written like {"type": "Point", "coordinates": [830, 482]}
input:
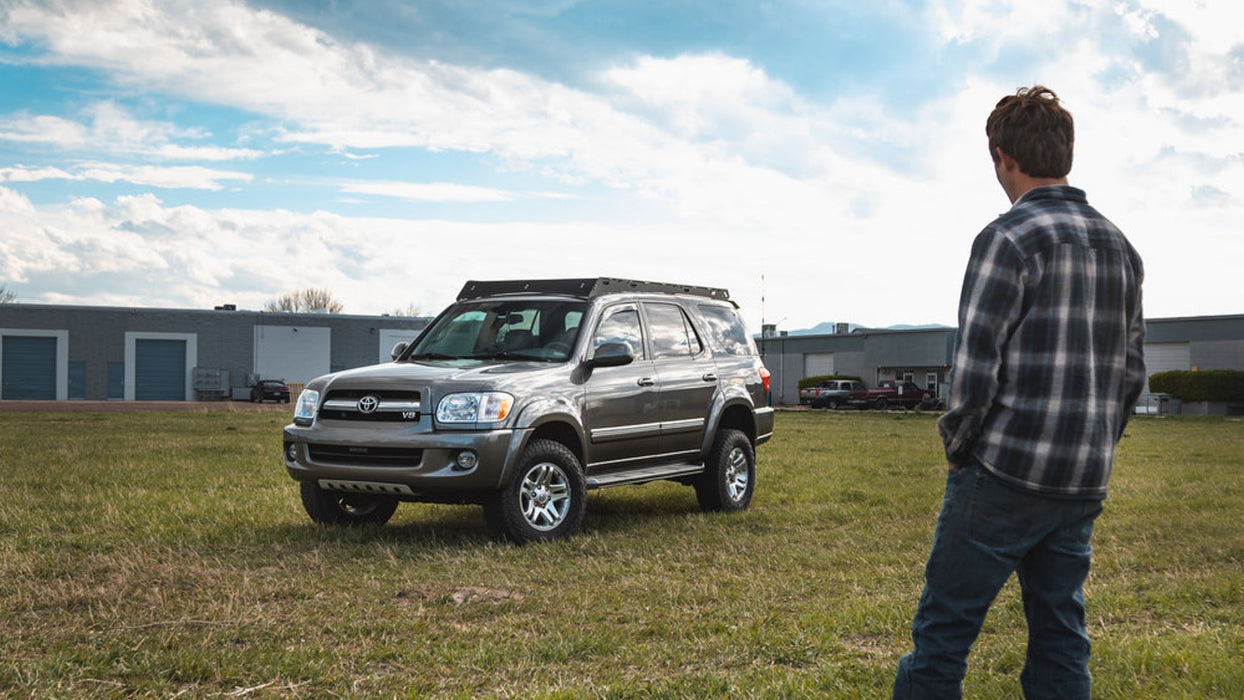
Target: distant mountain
{"type": "Point", "coordinates": [830, 327]}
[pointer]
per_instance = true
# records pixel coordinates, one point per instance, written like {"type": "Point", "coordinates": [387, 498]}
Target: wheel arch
{"type": "Point", "coordinates": [560, 431]}
{"type": "Point", "coordinates": [735, 414]}
{"type": "Point", "coordinates": [561, 426]}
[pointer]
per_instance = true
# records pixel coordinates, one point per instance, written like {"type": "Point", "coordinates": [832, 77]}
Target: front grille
{"type": "Point", "coordinates": [390, 406]}
{"type": "Point", "coordinates": [409, 416]}
{"type": "Point", "coordinates": [361, 455]}
{"type": "Point", "coordinates": [356, 394]}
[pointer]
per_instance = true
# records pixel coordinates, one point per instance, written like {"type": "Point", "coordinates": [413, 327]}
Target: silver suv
{"type": "Point", "coordinates": [523, 395]}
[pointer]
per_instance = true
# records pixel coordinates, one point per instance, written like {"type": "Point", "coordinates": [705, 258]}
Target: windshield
{"type": "Point", "coordinates": [543, 329]}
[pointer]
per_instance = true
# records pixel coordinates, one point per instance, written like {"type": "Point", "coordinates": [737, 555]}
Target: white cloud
{"type": "Point", "coordinates": [183, 176]}
{"type": "Point", "coordinates": [430, 192]}
{"type": "Point", "coordinates": [43, 129]}
{"type": "Point", "coordinates": [742, 174]}
{"type": "Point", "coordinates": [22, 173]}
{"type": "Point", "coordinates": [107, 128]}
{"type": "Point", "coordinates": [187, 176]}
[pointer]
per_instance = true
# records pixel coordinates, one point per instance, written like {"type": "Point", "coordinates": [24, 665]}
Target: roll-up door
{"type": "Point", "coordinates": [160, 370]}
{"type": "Point", "coordinates": [818, 364]}
{"type": "Point", "coordinates": [29, 369]}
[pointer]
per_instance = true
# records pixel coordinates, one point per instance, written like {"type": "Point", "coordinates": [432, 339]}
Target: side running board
{"type": "Point", "coordinates": [640, 476]}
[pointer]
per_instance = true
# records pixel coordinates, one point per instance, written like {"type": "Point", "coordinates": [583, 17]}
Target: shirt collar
{"type": "Point", "coordinates": [1066, 192]}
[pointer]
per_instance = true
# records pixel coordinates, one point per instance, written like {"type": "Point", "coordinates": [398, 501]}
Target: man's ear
{"type": "Point", "coordinates": [1008, 163]}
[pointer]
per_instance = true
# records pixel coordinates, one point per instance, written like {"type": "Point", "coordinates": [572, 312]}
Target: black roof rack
{"type": "Point", "coordinates": [584, 288]}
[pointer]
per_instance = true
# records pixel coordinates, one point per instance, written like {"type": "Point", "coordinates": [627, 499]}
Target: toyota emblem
{"type": "Point", "coordinates": [368, 404]}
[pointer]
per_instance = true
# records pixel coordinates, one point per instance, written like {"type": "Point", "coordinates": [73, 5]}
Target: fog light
{"type": "Point", "coordinates": [291, 451]}
{"type": "Point", "coordinates": [466, 460]}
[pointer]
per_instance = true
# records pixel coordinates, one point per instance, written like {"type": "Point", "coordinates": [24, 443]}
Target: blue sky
{"type": "Point", "coordinates": [825, 161]}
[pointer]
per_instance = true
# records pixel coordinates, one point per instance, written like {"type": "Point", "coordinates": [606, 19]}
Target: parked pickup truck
{"type": "Point", "coordinates": [830, 393]}
{"type": "Point", "coordinates": [892, 393]}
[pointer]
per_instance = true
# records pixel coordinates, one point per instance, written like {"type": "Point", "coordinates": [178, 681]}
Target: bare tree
{"type": "Point", "coordinates": [310, 300]}
{"type": "Point", "coordinates": [411, 309]}
{"type": "Point", "coordinates": [7, 295]}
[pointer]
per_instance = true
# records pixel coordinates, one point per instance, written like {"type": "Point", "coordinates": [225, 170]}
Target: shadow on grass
{"type": "Point", "coordinates": [427, 526]}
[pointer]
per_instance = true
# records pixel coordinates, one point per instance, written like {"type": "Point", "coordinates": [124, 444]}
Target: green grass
{"type": "Point", "coordinates": [167, 554]}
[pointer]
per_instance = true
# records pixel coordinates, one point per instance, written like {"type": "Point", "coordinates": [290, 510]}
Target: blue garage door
{"type": "Point", "coordinates": [160, 370]}
{"type": "Point", "coordinates": [29, 370]}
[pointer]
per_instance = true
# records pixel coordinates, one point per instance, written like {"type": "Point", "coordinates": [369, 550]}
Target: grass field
{"type": "Point", "coordinates": [167, 554]}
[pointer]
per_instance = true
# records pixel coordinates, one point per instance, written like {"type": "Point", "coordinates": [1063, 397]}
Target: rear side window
{"type": "Point", "coordinates": [726, 332]}
{"type": "Point", "coordinates": [672, 335]}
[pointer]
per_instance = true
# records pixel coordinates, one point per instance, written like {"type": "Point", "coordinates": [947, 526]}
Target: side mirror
{"type": "Point", "coordinates": [399, 349]}
{"type": "Point", "coordinates": [612, 354]}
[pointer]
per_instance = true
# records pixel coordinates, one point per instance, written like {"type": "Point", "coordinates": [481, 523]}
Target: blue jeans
{"type": "Point", "coordinates": [985, 531]}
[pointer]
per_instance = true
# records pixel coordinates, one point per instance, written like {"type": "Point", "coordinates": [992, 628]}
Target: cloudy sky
{"type": "Point", "coordinates": [824, 160]}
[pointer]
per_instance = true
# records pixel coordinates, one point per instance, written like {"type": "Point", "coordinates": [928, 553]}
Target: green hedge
{"type": "Point", "coordinates": [814, 381]}
{"type": "Point", "coordinates": [1210, 385]}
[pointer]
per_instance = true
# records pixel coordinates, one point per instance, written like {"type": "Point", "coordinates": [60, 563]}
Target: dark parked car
{"type": "Point", "coordinates": [270, 390]}
{"type": "Point", "coordinates": [524, 395]}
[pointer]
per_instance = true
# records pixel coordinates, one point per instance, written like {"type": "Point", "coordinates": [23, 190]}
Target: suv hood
{"type": "Point", "coordinates": [462, 374]}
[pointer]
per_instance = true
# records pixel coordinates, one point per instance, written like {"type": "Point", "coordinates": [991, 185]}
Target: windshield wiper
{"type": "Point", "coordinates": [498, 355]}
{"type": "Point", "coordinates": [508, 355]}
{"type": "Point", "coordinates": [433, 356]}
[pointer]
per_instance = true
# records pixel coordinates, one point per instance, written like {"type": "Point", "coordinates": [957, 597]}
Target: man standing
{"type": "Point", "coordinates": [1048, 366]}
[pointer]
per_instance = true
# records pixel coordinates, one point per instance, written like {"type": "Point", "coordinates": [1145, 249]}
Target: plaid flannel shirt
{"type": "Point", "coordinates": [1048, 360]}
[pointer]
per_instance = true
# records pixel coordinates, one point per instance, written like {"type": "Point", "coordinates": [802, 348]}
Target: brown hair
{"type": "Point", "coordinates": [1034, 129]}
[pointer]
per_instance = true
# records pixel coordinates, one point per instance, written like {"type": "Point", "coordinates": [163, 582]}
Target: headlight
{"type": "Point", "coordinates": [304, 410]}
{"type": "Point", "coordinates": [486, 407]}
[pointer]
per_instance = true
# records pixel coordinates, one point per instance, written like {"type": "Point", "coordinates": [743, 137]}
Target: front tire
{"type": "Point", "coordinates": [729, 477]}
{"type": "Point", "coordinates": [545, 502]}
{"type": "Point", "coordinates": [346, 509]}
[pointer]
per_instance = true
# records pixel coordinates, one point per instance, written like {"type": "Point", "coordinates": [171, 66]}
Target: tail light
{"type": "Point", "coordinates": [764, 378]}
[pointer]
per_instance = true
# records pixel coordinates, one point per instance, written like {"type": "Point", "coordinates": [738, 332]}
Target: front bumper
{"type": "Point", "coordinates": [424, 464]}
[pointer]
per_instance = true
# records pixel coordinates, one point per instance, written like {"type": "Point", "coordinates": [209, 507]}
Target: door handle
{"type": "Point", "coordinates": [710, 377]}
{"type": "Point", "coordinates": [646, 381]}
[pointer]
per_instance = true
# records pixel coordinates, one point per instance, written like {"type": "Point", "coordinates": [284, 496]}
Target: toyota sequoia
{"type": "Point", "coordinates": [523, 395]}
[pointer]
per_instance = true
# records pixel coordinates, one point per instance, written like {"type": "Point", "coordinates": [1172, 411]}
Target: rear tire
{"type": "Point", "coordinates": [346, 509]}
{"type": "Point", "coordinates": [729, 476]}
{"type": "Point", "coordinates": [547, 499]}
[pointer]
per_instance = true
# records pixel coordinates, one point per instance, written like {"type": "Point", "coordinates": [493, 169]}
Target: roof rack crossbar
{"type": "Point", "coordinates": [585, 288]}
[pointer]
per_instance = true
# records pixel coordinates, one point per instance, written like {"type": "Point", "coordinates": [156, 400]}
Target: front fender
{"type": "Point", "coordinates": [560, 415]}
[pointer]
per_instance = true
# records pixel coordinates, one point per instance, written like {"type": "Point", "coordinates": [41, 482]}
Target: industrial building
{"type": "Point", "coordinates": [140, 354]}
{"type": "Point", "coordinates": [924, 355]}
{"type": "Point", "coordinates": [96, 353]}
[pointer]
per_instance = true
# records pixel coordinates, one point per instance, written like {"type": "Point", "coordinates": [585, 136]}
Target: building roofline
{"type": "Point", "coordinates": [859, 332]}
{"type": "Point", "coordinates": [274, 315]}
{"type": "Point", "coordinates": [1174, 319]}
